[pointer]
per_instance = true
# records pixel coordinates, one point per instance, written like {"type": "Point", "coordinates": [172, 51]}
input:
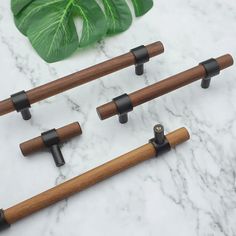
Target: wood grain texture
{"type": "Point", "coordinates": [79, 183]}
{"type": "Point", "coordinates": [177, 137]}
{"type": "Point", "coordinates": [65, 133]}
{"type": "Point", "coordinates": [6, 106]}
{"type": "Point", "coordinates": [163, 87]}
{"type": "Point", "coordinates": [81, 77]}
{"type": "Point", "coordinates": [89, 178]}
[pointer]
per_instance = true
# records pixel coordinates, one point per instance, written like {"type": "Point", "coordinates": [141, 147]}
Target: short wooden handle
{"type": "Point", "coordinates": [81, 77]}
{"type": "Point", "coordinates": [163, 87]}
{"type": "Point", "coordinates": [65, 133]}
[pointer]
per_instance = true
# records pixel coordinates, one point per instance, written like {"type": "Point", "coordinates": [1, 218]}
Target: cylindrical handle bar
{"type": "Point", "coordinates": [84, 76]}
{"type": "Point", "coordinates": [163, 87]}
{"type": "Point", "coordinates": [89, 178]}
{"type": "Point", "coordinates": [65, 133]}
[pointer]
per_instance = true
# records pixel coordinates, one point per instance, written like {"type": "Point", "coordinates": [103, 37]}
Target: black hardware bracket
{"type": "Point", "coordinates": [52, 141]}
{"type": "Point", "coordinates": [141, 56]}
{"type": "Point", "coordinates": [124, 105]}
{"type": "Point", "coordinates": [160, 142]}
{"type": "Point", "coordinates": [3, 223]}
{"type": "Point", "coordinates": [212, 69]}
{"type": "Point", "coordinates": [21, 104]}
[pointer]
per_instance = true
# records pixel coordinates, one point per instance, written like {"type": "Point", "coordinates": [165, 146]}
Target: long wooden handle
{"type": "Point", "coordinates": [163, 87]}
{"type": "Point", "coordinates": [90, 178]}
{"type": "Point", "coordinates": [84, 76]}
{"type": "Point", "coordinates": [65, 133]}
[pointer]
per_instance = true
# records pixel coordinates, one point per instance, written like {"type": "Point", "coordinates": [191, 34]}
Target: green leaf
{"type": "Point", "coordinates": [142, 6]}
{"type": "Point", "coordinates": [94, 22]}
{"type": "Point", "coordinates": [33, 12]}
{"type": "Point", "coordinates": [56, 29]}
{"type": "Point", "coordinates": [18, 5]}
{"type": "Point", "coordinates": [50, 26]}
{"type": "Point", "coordinates": [118, 16]}
{"type": "Point", "coordinates": [54, 35]}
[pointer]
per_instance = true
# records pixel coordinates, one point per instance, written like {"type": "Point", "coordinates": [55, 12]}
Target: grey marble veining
{"type": "Point", "coordinates": [189, 191]}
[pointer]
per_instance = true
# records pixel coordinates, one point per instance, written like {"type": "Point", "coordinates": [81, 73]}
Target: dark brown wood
{"type": "Point", "coordinates": [89, 178]}
{"type": "Point", "coordinates": [84, 76]}
{"type": "Point", "coordinates": [163, 87]}
{"type": "Point", "coordinates": [65, 133]}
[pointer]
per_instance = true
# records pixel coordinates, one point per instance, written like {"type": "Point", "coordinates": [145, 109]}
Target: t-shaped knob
{"type": "Point", "coordinates": [52, 139]}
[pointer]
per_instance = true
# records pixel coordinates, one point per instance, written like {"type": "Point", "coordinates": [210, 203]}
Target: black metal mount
{"type": "Point", "coordinates": [52, 141]}
{"type": "Point", "coordinates": [212, 69]}
{"type": "Point", "coordinates": [141, 56]}
{"type": "Point", "coordinates": [3, 223]}
{"type": "Point", "coordinates": [124, 105]}
{"type": "Point", "coordinates": [21, 104]}
{"type": "Point", "coordinates": [159, 141]}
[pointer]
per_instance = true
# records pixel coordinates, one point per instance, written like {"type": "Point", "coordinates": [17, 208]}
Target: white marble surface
{"type": "Point", "coordinates": [189, 191]}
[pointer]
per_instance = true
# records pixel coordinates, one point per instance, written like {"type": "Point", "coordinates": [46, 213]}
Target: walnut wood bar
{"type": "Point", "coordinates": [89, 178]}
{"type": "Point", "coordinates": [84, 76]}
{"type": "Point", "coordinates": [163, 87]}
{"type": "Point", "coordinates": [52, 139]}
{"type": "Point", "coordinates": [64, 134]}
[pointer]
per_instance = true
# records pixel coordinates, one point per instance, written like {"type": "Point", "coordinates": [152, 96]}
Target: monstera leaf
{"type": "Point", "coordinates": [50, 24]}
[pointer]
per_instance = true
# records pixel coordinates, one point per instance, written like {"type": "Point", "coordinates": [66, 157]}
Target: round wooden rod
{"type": "Point", "coordinates": [84, 76]}
{"type": "Point", "coordinates": [90, 178]}
{"type": "Point", "coordinates": [65, 133]}
{"type": "Point", "coordinates": [163, 87]}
